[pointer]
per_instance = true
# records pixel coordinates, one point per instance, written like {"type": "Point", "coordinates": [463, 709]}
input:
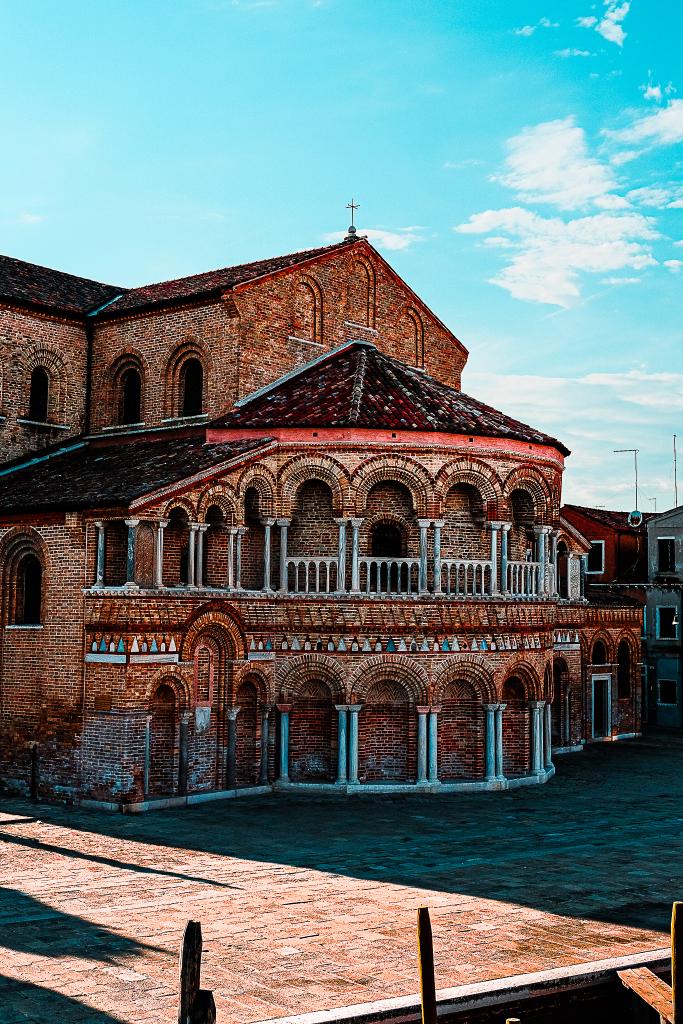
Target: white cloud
{"type": "Point", "coordinates": [624, 157]}
{"type": "Point", "coordinates": [652, 92]}
{"type": "Point", "coordinates": [402, 238]}
{"type": "Point", "coordinates": [459, 165]}
{"type": "Point", "coordinates": [610, 27]}
{"type": "Point", "coordinates": [528, 30]}
{"type": "Point", "coordinates": [674, 266]}
{"type": "Point", "coordinates": [30, 218]}
{"type": "Point", "coordinates": [621, 280]}
{"type": "Point", "coordinates": [588, 22]}
{"type": "Point", "coordinates": [572, 52]}
{"type": "Point", "coordinates": [550, 254]}
{"type": "Point", "coordinates": [593, 414]}
{"type": "Point", "coordinates": [549, 163]}
{"type": "Point", "coordinates": [679, 244]}
{"type": "Point", "coordinates": [662, 128]}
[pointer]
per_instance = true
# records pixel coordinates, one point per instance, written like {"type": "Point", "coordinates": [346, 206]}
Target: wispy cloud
{"type": "Point", "coordinates": [573, 52]}
{"type": "Point", "coordinates": [30, 218]}
{"type": "Point", "coordinates": [528, 30]}
{"type": "Point", "coordinates": [401, 238]}
{"type": "Point", "coordinates": [610, 25]}
{"type": "Point", "coordinates": [675, 266]}
{"type": "Point", "coordinates": [664, 127]}
{"type": "Point", "coordinates": [459, 165]}
{"type": "Point", "coordinates": [550, 254]}
{"type": "Point", "coordinates": [550, 163]}
{"type": "Point", "coordinates": [593, 414]}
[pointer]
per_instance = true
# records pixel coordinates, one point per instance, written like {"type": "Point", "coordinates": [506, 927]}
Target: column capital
{"type": "Point", "coordinates": [440, 523]}
{"type": "Point", "coordinates": [435, 709]}
{"type": "Point", "coordinates": [283, 522]}
{"type": "Point", "coordinates": [341, 520]}
{"type": "Point", "coordinates": [505, 527]}
{"type": "Point", "coordinates": [424, 524]}
{"type": "Point", "coordinates": [491, 707]}
{"type": "Point", "coordinates": [99, 523]}
{"type": "Point", "coordinates": [356, 520]}
{"type": "Point", "coordinates": [268, 521]}
{"type": "Point", "coordinates": [497, 524]}
{"type": "Point", "coordinates": [284, 708]}
{"type": "Point", "coordinates": [132, 522]}
{"type": "Point", "coordinates": [536, 705]}
{"type": "Point", "coordinates": [422, 709]}
{"type": "Point", "coordinates": [162, 524]}
{"type": "Point", "coordinates": [341, 707]}
{"type": "Point", "coordinates": [194, 526]}
{"type": "Point", "coordinates": [541, 528]}
{"type": "Point", "coordinates": [232, 713]}
{"type": "Point", "coordinates": [501, 707]}
{"type": "Point", "coordinates": [354, 707]}
{"type": "Point", "coordinates": [266, 709]}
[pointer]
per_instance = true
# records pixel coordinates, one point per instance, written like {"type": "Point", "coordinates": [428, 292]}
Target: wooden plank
{"type": "Point", "coordinates": [651, 989]}
{"type": "Point", "coordinates": [195, 1005]}
{"type": "Point", "coordinates": [425, 954]}
{"type": "Point", "coordinates": [677, 962]}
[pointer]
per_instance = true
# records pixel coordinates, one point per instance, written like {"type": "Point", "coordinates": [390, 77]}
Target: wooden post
{"type": "Point", "coordinates": [677, 962]}
{"type": "Point", "coordinates": [195, 1005]}
{"type": "Point", "coordinates": [425, 955]}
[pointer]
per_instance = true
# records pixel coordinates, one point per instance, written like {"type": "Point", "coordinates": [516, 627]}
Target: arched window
{"type": "Point", "coordinates": [387, 540]}
{"type": "Point", "coordinates": [28, 598]}
{"type": "Point", "coordinates": [191, 388]}
{"type": "Point", "coordinates": [131, 396]}
{"type": "Point", "coordinates": [599, 653]}
{"type": "Point", "coordinates": [39, 397]}
{"type": "Point", "coordinates": [623, 670]}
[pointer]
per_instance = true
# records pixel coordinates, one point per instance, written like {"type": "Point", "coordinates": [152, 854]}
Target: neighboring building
{"type": "Point", "coordinates": [618, 551]}
{"type": "Point", "coordinates": [253, 533]}
{"type": "Point", "coordinates": [663, 618]}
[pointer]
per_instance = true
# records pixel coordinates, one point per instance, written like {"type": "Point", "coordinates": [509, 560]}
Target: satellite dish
{"type": "Point", "coordinates": [635, 518]}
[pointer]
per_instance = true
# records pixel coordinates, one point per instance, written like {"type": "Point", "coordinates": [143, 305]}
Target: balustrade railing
{"type": "Point", "coordinates": [522, 578]}
{"type": "Point", "coordinates": [466, 576]}
{"type": "Point", "coordinates": [389, 575]}
{"type": "Point", "coordinates": [311, 575]}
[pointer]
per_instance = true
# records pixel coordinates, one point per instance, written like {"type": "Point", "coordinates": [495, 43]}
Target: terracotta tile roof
{"type": "Point", "coordinates": [213, 282]}
{"type": "Point", "coordinates": [100, 474]}
{"type": "Point", "coordinates": [27, 284]}
{"type": "Point", "coordinates": [359, 386]}
{"type": "Point", "coordinates": [608, 517]}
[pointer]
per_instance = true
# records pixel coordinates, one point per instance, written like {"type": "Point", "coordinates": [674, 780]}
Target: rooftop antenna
{"type": "Point", "coordinates": [352, 206]}
{"type": "Point", "coordinates": [675, 475]}
{"type": "Point", "coordinates": [635, 518]}
{"type": "Point", "coordinates": [654, 502]}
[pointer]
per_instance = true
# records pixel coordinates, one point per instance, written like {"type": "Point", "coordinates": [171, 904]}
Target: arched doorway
{"type": "Point", "coordinates": [163, 733]}
{"type": "Point", "coordinates": [313, 734]}
{"type": "Point", "coordinates": [248, 734]}
{"type": "Point", "coordinates": [461, 733]}
{"type": "Point", "coordinates": [516, 728]}
{"type": "Point", "coordinates": [387, 735]}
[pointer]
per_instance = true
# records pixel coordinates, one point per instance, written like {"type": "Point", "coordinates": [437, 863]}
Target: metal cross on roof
{"type": "Point", "coordinates": [352, 206]}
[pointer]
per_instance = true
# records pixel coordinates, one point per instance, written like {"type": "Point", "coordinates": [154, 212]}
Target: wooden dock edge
{"type": "Point", "coordinates": [516, 989]}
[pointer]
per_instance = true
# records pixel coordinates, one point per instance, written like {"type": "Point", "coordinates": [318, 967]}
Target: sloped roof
{"type": "Point", "coordinates": [359, 386]}
{"type": "Point", "coordinates": [213, 282]}
{"type": "Point", "coordinates": [27, 284]}
{"type": "Point", "coordinates": [608, 517]}
{"type": "Point", "coordinates": [100, 474]}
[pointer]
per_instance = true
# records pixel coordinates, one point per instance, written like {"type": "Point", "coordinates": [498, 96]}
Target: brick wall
{"type": "Point", "coordinates": [461, 734]}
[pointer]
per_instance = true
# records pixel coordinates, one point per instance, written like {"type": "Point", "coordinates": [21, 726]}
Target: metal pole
{"type": "Point", "coordinates": [675, 475]}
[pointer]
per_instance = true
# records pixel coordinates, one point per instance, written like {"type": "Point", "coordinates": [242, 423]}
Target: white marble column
{"type": "Point", "coordinates": [490, 742]}
{"type": "Point", "coordinates": [355, 555]}
{"type": "Point", "coordinates": [504, 531]}
{"type": "Point", "coordinates": [567, 724]}
{"type": "Point", "coordinates": [438, 526]}
{"type": "Point", "coordinates": [424, 525]}
{"type": "Point", "coordinates": [132, 525]}
{"type": "Point", "coordinates": [199, 571]}
{"type": "Point", "coordinates": [434, 743]}
{"type": "Point", "coordinates": [99, 567]}
{"type": "Point", "coordinates": [263, 772]}
{"type": "Point", "coordinates": [540, 532]}
{"type": "Point", "coordinates": [342, 744]}
{"type": "Point", "coordinates": [547, 737]}
{"type": "Point", "coordinates": [494, 528]}
{"type": "Point", "coordinates": [554, 537]}
{"type": "Point", "coordinates": [422, 713]}
{"type": "Point", "coordinates": [500, 774]}
{"type": "Point", "coordinates": [159, 552]}
{"type": "Point", "coordinates": [147, 755]}
{"type": "Point", "coordinates": [284, 710]}
{"type": "Point", "coordinates": [284, 527]}
{"type": "Point", "coordinates": [535, 707]}
{"type": "Point", "coordinates": [230, 581]}
{"type": "Point", "coordinates": [354, 710]}
{"type": "Point", "coordinates": [192, 554]}
{"type": "Point", "coordinates": [268, 524]}
{"type": "Point", "coordinates": [341, 556]}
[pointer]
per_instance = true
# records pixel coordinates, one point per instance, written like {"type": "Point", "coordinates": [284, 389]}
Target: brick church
{"type": "Point", "coordinates": [253, 535]}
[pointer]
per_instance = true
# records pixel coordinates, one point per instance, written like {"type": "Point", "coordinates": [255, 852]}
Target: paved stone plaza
{"type": "Point", "coordinates": [310, 903]}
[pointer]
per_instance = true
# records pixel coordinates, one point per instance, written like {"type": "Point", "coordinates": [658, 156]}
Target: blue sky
{"type": "Point", "coordinates": [520, 164]}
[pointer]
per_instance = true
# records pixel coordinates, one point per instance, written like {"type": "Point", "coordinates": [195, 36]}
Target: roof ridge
{"type": "Point", "coordinates": [358, 386]}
